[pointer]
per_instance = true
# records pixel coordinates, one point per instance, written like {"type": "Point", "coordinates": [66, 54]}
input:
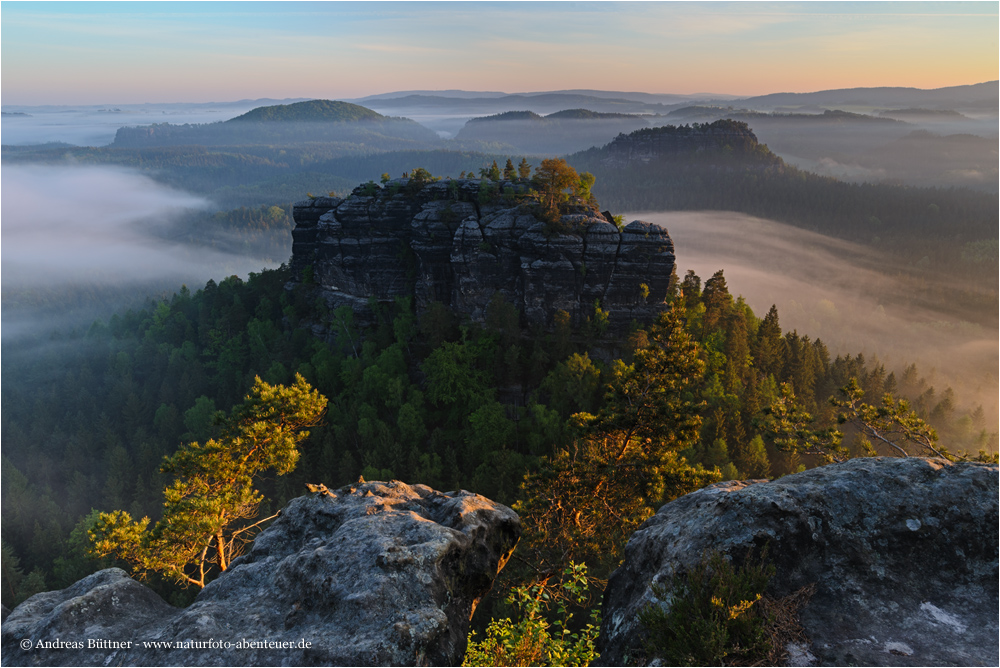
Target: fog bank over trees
{"type": "Point", "coordinates": [83, 241]}
{"type": "Point", "coordinates": [843, 293]}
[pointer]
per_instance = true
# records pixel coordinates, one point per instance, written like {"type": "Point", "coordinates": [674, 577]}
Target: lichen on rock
{"type": "Point", "coordinates": [902, 552]}
{"type": "Point", "coordinates": [371, 574]}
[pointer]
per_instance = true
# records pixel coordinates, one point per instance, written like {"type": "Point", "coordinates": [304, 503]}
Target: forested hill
{"type": "Point", "coordinates": [722, 166]}
{"type": "Point", "coordinates": [310, 111]}
{"type": "Point", "coordinates": [312, 121]}
{"type": "Point", "coordinates": [724, 143]}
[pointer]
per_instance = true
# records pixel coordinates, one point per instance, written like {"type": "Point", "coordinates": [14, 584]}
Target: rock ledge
{"type": "Point", "coordinates": [903, 553]}
{"type": "Point", "coordinates": [373, 574]}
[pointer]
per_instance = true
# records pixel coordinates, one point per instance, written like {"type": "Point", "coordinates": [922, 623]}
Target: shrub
{"type": "Point", "coordinates": [369, 189]}
{"type": "Point", "coordinates": [712, 615]}
{"type": "Point", "coordinates": [534, 641]}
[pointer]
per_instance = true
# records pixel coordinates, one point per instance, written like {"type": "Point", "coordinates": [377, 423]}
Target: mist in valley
{"type": "Point", "coordinates": [845, 294]}
{"type": "Point", "coordinates": [96, 125]}
{"type": "Point", "coordinates": [82, 242]}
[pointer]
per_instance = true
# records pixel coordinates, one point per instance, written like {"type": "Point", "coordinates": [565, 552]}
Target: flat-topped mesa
{"type": "Point", "coordinates": [459, 242]}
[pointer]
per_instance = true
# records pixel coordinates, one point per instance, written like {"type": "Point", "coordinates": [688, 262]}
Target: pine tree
{"type": "Point", "coordinates": [583, 502]}
{"type": "Point", "coordinates": [769, 351]}
{"type": "Point", "coordinates": [211, 505]}
{"type": "Point", "coordinates": [716, 299]}
{"type": "Point", "coordinates": [752, 459]}
{"type": "Point", "coordinates": [524, 169]}
{"type": "Point", "coordinates": [737, 351]}
{"type": "Point", "coordinates": [509, 173]}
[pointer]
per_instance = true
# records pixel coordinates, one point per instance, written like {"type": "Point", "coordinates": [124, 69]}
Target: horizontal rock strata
{"type": "Point", "coordinates": [440, 243]}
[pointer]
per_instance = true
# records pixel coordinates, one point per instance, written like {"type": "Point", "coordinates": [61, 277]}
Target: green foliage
{"type": "Point", "coordinates": [533, 640]}
{"type": "Point", "coordinates": [309, 111]}
{"type": "Point", "coordinates": [524, 169]}
{"type": "Point", "coordinates": [792, 430]}
{"type": "Point", "coordinates": [552, 178]}
{"type": "Point", "coordinates": [584, 185]}
{"type": "Point", "coordinates": [599, 323]}
{"type": "Point", "coordinates": [582, 502]}
{"type": "Point", "coordinates": [88, 421]}
{"type": "Point", "coordinates": [369, 189]}
{"type": "Point", "coordinates": [509, 173]}
{"type": "Point", "coordinates": [419, 177]}
{"type": "Point", "coordinates": [892, 427]}
{"type": "Point", "coordinates": [710, 616]}
{"type": "Point", "coordinates": [212, 502]}
{"type": "Point", "coordinates": [15, 585]}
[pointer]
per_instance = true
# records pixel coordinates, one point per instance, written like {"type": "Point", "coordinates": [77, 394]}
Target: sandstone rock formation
{"type": "Point", "coordinates": [373, 574]}
{"type": "Point", "coordinates": [903, 553]}
{"type": "Point", "coordinates": [443, 241]}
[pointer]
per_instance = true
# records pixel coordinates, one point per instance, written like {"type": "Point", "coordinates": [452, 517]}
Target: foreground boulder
{"type": "Point", "coordinates": [902, 552]}
{"type": "Point", "coordinates": [372, 574]}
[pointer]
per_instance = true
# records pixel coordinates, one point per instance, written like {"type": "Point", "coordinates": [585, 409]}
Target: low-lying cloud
{"type": "Point", "coordinates": [70, 229]}
{"type": "Point", "coordinates": [831, 289]}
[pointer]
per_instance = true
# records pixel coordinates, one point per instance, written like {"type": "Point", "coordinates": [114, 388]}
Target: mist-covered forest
{"type": "Point", "coordinates": [110, 364]}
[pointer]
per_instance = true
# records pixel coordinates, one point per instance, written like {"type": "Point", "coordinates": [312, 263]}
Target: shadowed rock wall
{"type": "Point", "coordinates": [440, 243]}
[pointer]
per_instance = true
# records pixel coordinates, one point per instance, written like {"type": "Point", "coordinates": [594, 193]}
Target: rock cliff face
{"type": "Point", "coordinates": [375, 574]}
{"type": "Point", "coordinates": [445, 242]}
{"type": "Point", "coordinates": [903, 553]}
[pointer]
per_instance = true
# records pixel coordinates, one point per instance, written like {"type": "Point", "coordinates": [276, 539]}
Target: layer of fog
{"type": "Point", "coordinates": [828, 289]}
{"type": "Point", "coordinates": [82, 241]}
{"type": "Point", "coordinates": [97, 125]}
{"type": "Point", "coordinates": [923, 151]}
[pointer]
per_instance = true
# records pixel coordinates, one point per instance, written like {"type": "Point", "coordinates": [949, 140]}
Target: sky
{"type": "Point", "coordinates": [131, 53]}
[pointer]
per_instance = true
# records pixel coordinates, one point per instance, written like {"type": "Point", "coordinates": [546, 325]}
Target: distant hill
{"type": "Point", "coordinates": [586, 114]}
{"type": "Point", "coordinates": [558, 133]}
{"type": "Point", "coordinates": [953, 97]}
{"type": "Point", "coordinates": [806, 136]}
{"type": "Point", "coordinates": [311, 111]}
{"type": "Point", "coordinates": [722, 166]}
{"type": "Point", "coordinates": [724, 144]}
{"type": "Point", "coordinates": [543, 103]}
{"type": "Point", "coordinates": [310, 121]}
{"type": "Point", "coordinates": [924, 114]}
{"type": "Point", "coordinates": [508, 116]}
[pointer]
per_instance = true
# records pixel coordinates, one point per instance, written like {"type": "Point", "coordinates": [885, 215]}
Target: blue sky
{"type": "Point", "coordinates": [96, 53]}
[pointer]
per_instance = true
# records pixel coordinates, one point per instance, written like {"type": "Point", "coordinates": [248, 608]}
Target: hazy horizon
{"type": "Point", "coordinates": [132, 53]}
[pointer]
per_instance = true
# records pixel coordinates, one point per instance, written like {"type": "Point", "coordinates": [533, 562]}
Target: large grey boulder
{"type": "Point", "coordinates": [903, 553]}
{"type": "Point", "coordinates": [372, 574]}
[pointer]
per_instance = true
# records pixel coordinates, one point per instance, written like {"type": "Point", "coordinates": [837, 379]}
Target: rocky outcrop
{"type": "Point", "coordinates": [372, 574]}
{"type": "Point", "coordinates": [449, 242]}
{"type": "Point", "coordinates": [903, 554]}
